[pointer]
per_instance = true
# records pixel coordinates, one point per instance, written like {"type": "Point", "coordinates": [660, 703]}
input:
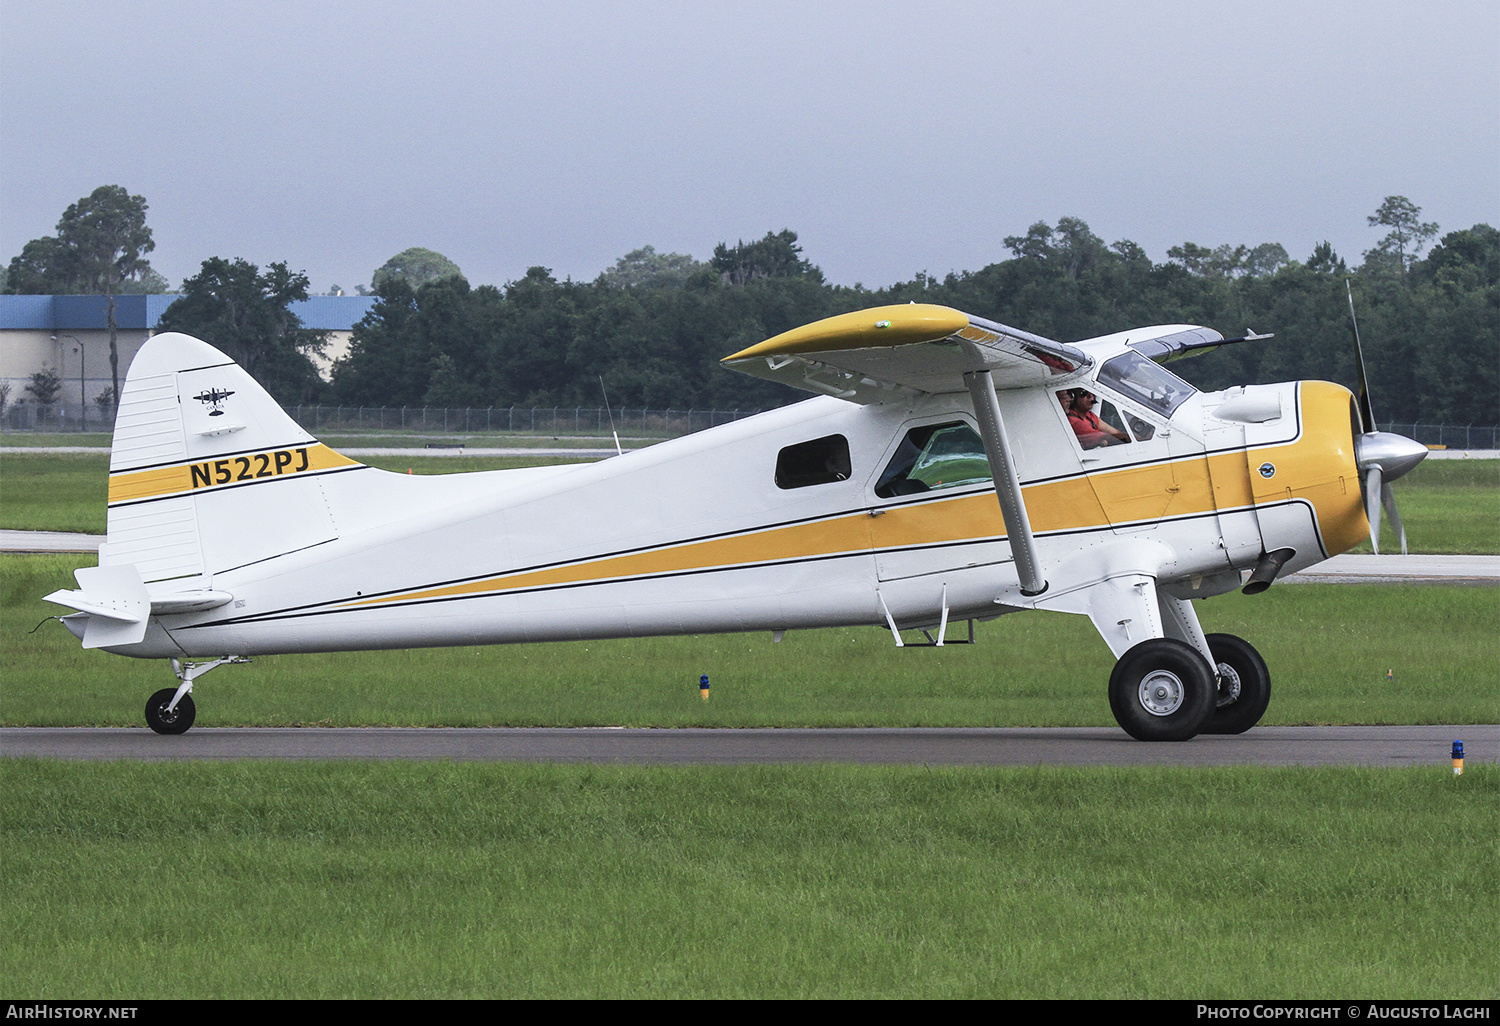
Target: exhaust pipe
{"type": "Point", "coordinates": [1266, 570]}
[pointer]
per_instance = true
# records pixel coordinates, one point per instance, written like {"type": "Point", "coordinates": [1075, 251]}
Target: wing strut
{"type": "Point", "coordinates": [1007, 484]}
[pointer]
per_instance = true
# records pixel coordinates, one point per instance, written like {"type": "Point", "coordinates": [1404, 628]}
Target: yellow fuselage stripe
{"type": "Point", "coordinates": [207, 475]}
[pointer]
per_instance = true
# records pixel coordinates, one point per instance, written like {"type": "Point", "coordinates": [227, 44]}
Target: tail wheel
{"type": "Point", "coordinates": [175, 722]}
{"type": "Point", "coordinates": [1162, 690]}
{"type": "Point", "coordinates": [1244, 688]}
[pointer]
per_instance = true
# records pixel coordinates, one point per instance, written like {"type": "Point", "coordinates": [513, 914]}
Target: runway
{"type": "Point", "coordinates": [1387, 746]}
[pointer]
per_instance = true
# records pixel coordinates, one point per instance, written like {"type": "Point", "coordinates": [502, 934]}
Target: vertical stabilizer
{"type": "Point", "coordinates": [207, 472]}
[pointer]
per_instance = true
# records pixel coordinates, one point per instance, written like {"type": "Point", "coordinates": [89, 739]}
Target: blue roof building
{"type": "Point", "coordinates": [70, 336]}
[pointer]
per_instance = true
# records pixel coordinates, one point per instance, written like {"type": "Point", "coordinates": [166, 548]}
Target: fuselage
{"type": "Point", "coordinates": [763, 524]}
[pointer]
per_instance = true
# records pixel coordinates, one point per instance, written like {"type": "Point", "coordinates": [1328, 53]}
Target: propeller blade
{"type": "Point", "coordinates": [1366, 412]}
{"type": "Point", "coordinates": [1372, 485]}
{"type": "Point", "coordinates": [1388, 500]}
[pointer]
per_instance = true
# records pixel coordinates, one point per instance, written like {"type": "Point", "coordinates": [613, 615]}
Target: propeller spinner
{"type": "Point", "coordinates": [1381, 456]}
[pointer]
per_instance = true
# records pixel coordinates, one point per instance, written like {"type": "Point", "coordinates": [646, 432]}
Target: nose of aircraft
{"type": "Point", "coordinates": [1394, 454]}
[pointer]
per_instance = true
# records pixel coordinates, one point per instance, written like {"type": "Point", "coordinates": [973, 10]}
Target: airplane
{"type": "Point", "coordinates": [943, 473]}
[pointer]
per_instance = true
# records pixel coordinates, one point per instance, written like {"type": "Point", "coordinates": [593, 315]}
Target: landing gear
{"type": "Point", "coordinates": [1244, 686]}
{"type": "Point", "coordinates": [1162, 690]}
{"type": "Point", "coordinates": [165, 717]}
{"type": "Point", "coordinates": [175, 721]}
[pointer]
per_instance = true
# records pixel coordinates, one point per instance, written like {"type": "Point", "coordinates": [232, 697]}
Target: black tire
{"type": "Point", "coordinates": [175, 722]}
{"type": "Point", "coordinates": [1162, 690]}
{"type": "Point", "coordinates": [1244, 688]}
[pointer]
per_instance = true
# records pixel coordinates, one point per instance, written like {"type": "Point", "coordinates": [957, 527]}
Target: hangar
{"type": "Point", "coordinates": [70, 336]}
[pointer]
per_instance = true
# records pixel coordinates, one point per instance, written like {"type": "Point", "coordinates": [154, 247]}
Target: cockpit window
{"type": "Point", "coordinates": [1146, 382]}
{"type": "Point", "coordinates": [932, 457]}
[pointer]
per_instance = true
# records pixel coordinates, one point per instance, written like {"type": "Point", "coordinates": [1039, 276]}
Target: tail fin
{"type": "Point", "coordinates": [207, 472]}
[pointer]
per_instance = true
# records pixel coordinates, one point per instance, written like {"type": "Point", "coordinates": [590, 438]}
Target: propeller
{"type": "Point", "coordinates": [1382, 456]}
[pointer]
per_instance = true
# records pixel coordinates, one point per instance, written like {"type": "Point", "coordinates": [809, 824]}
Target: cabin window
{"type": "Point", "coordinates": [932, 457]}
{"type": "Point", "coordinates": [820, 461]}
{"type": "Point", "coordinates": [1136, 377]}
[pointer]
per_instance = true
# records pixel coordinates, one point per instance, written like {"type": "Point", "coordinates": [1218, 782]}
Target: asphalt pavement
{"type": "Point", "coordinates": [932, 746]}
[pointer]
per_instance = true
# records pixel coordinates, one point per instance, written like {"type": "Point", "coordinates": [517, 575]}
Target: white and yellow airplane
{"type": "Point", "coordinates": [232, 533]}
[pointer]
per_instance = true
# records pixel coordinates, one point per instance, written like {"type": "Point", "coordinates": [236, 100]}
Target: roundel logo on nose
{"type": "Point", "coordinates": [1268, 470]}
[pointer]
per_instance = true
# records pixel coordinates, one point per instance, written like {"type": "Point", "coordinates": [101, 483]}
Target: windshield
{"type": "Point", "coordinates": [1135, 376]}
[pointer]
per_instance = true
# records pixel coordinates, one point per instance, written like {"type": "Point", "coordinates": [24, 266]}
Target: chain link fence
{"type": "Point", "coordinates": [555, 421]}
{"type": "Point", "coordinates": [1449, 436]}
{"type": "Point", "coordinates": [558, 421]}
{"type": "Point", "coordinates": [551, 421]}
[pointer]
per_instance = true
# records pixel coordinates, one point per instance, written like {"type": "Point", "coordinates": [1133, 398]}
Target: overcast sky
{"type": "Point", "coordinates": [893, 138]}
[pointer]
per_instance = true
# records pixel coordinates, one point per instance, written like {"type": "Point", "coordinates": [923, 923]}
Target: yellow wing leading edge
{"type": "Point", "coordinates": [886, 352]}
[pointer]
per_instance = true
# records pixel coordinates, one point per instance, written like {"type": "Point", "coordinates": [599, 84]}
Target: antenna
{"type": "Point", "coordinates": [618, 451]}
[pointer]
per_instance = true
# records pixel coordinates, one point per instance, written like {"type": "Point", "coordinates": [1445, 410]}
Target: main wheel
{"type": "Point", "coordinates": [1162, 690]}
{"type": "Point", "coordinates": [175, 722]}
{"type": "Point", "coordinates": [1244, 685]}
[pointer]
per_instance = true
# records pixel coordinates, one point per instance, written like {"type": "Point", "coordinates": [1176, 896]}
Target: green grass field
{"type": "Point", "coordinates": [1448, 506]}
{"type": "Point", "coordinates": [471, 881]}
{"type": "Point", "coordinates": [1329, 648]}
{"type": "Point", "coordinates": [373, 880]}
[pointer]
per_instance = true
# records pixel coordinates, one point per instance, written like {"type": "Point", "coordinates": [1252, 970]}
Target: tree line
{"type": "Point", "coordinates": [654, 326]}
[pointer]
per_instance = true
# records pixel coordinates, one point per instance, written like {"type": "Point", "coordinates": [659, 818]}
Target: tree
{"type": "Point", "coordinates": [775, 256]}
{"type": "Point", "coordinates": [244, 311]}
{"type": "Point", "coordinates": [1408, 235]}
{"type": "Point", "coordinates": [1325, 261]}
{"type": "Point", "coordinates": [99, 249]}
{"type": "Point", "coordinates": [45, 384]}
{"type": "Point", "coordinates": [416, 266]}
{"type": "Point", "coordinates": [386, 363]}
{"type": "Point", "coordinates": [646, 268]}
{"type": "Point", "coordinates": [1267, 258]}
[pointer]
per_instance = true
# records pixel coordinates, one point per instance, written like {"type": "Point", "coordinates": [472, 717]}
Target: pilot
{"type": "Point", "coordinates": [1091, 431]}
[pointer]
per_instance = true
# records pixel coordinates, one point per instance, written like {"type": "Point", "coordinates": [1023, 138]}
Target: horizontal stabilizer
{"type": "Point", "coordinates": [189, 601]}
{"type": "Point", "coordinates": [116, 600]}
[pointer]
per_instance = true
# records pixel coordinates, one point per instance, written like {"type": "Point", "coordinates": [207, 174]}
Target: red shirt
{"type": "Point", "coordinates": [1088, 429]}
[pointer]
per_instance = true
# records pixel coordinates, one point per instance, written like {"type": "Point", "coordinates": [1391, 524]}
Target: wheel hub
{"type": "Point", "coordinates": [1161, 692]}
{"type": "Point", "coordinates": [1229, 685]}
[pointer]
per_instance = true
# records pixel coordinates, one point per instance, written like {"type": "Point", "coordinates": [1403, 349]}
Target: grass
{"type": "Point", "coordinates": [51, 439]}
{"type": "Point", "coordinates": [320, 880]}
{"type": "Point", "coordinates": [497, 881]}
{"type": "Point", "coordinates": [61, 492]}
{"type": "Point", "coordinates": [1329, 648]}
{"type": "Point", "coordinates": [1448, 506]}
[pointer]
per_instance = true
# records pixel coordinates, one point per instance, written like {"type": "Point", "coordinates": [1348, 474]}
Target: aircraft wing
{"type": "Point", "coordinates": [1192, 342]}
{"type": "Point", "coordinates": [888, 352]}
